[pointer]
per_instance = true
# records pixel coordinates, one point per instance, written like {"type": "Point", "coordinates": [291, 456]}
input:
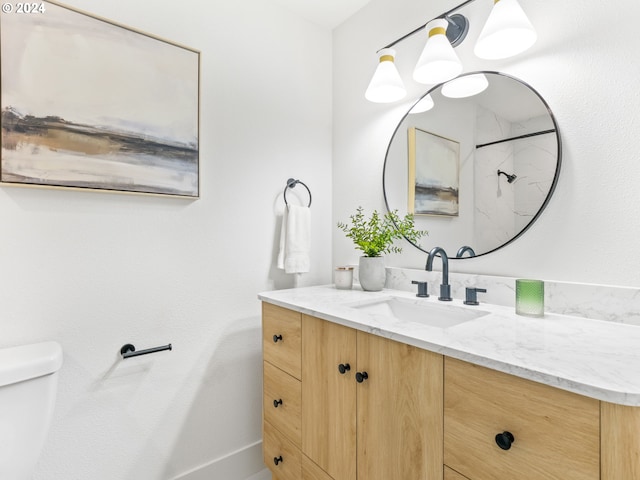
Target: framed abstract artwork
{"type": "Point", "coordinates": [90, 104]}
{"type": "Point", "coordinates": [434, 164]}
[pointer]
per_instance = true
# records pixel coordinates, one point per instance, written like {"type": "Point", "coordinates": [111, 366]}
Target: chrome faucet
{"type": "Point", "coordinates": [445, 288]}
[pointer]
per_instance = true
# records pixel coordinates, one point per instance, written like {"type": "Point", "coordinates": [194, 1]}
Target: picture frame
{"type": "Point", "coordinates": [90, 104]}
{"type": "Point", "coordinates": [434, 174]}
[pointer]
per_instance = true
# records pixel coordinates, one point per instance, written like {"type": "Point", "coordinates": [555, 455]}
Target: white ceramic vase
{"type": "Point", "coordinates": [371, 273]}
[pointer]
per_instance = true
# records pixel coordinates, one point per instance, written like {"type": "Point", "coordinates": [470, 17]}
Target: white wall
{"type": "Point", "coordinates": [95, 271]}
{"type": "Point", "coordinates": [584, 65]}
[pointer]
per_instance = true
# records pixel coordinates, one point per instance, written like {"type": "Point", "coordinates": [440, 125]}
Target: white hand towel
{"type": "Point", "coordinates": [296, 233]}
{"type": "Point", "coordinates": [283, 236]}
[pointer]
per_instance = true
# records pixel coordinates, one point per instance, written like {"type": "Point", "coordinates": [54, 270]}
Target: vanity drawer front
{"type": "Point", "coordinates": [286, 392]}
{"type": "Point", "coordinates": [281, 338]}
{"type": "Point", "coordinates": [556, 433]}
{"type": "Point", "coordinates": [281, 456]}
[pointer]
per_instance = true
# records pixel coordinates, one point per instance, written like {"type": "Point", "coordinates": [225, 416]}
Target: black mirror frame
{"type": "Point", "coordinates": [551, 188]}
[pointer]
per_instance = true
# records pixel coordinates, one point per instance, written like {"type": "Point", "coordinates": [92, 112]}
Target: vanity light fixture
{"type": "Point", "coordinates": [465, 86]}
{"type": "Point", "coordinates": [507, 32]}
{"type": "Point", "coordinates": [425, 104]}
{"type": "Point", "coordinates": [438, 62]}
{"type": "Point", "coordinates": [386, 85]}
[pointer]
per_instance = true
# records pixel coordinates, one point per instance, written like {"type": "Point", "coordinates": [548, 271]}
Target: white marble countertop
{"type": "Point", "coordinates": [595, 358]}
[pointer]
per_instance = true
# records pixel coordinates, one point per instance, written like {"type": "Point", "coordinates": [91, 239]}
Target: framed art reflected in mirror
{"type": "Point", "coordinates": [433, 173]}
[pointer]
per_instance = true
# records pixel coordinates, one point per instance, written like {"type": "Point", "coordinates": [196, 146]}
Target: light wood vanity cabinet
{"type": "Point", "coordinates": [420, 416]}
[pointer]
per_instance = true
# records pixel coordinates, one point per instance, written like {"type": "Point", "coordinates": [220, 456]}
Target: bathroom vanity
{"type": "Point", "coordinates": [362, 385]}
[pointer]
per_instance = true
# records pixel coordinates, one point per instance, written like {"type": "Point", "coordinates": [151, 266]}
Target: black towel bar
{"type": "Point", "coordinates": [128, 350]}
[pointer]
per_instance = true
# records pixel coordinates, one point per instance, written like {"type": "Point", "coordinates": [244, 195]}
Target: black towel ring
{"type": "Point", "coordinates": [291, 183]}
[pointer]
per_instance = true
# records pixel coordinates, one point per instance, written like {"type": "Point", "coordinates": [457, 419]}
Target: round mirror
{"type": "Point", "coordinates": [475, 171]}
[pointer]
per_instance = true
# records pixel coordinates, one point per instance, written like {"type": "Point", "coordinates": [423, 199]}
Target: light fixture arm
{"type": "Point", "coordinates": [456, 35]}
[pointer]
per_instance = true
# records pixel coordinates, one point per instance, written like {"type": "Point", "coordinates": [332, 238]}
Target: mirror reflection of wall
{"type": "Point", "coordinates": [497, 130]}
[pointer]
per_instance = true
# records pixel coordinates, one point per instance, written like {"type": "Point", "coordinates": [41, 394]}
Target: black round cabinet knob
{"type": "Point", "coordinates": [504, 440]}
{"type": "Point", "coordinates": [277, 460]}
{"type": "Point", "coordinates": [344, 368]}
{"type": "Point", "coordinates": [277, 338]}
{"type": "Point", "coordinates": [277, 402]}
{"type": "Point", "coordinates": [361, 377]}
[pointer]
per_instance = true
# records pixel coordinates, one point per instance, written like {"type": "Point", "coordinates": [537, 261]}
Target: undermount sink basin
{"type": "Point", "coordinates": [420, 311]}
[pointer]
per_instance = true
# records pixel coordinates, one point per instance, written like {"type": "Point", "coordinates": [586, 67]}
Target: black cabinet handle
{"type": "Point", "coordinates": [504, 440]}
{"type": "Point", "coordinates": [276, 338]}
{"type": "Point", "coordinates": [277, 460]}
{"type": "Point", "coordinates": [276, 403]}
{"type": "Point", "coordinates": [344, 368]}
{"type": "Point", "coordinates": [361, 377]}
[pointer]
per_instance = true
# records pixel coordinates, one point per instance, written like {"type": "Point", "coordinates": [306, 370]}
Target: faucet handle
{"type": "Point", "coordinates": [422, 288]}
{"type": "Point", "coordinates": [471, 295]}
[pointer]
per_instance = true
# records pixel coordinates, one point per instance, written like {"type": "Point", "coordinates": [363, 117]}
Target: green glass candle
{"type": "Point", "coordinates": [530, 297]}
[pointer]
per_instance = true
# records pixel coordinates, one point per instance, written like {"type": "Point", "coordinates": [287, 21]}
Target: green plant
{"type": "Point", "coordinates": [375, 236]}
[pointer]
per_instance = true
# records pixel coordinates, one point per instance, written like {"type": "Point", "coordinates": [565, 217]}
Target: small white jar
{"type": "Point", "coordinates": [343, 278]}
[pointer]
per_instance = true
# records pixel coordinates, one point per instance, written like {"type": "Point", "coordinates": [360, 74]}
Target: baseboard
{"type": "Point", "coordinates": [262, 475]}
{"type": "Point", "coordinates": [239, 465]}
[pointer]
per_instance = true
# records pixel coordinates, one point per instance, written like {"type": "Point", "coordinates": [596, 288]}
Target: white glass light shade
{"type": "Point", "coordinates": [438, 62]}
{"type": "Point", "coordinates": [466, 86]}
{"type": "Point", "coordinates": [425, 104]}
{"type": "Point", "coordinates": [507, 32]}
{"type": "Point", "coordinates": [386, 85]}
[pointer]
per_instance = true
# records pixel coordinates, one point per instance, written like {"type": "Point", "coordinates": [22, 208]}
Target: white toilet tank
{"type": "Point", "coordinates": [28, 384]}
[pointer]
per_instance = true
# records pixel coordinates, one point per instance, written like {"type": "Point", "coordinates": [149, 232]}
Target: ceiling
{"type": "Point", "coordinates": [326, 13]}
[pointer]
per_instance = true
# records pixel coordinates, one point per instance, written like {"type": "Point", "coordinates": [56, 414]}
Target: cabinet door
{"type": "Point", "coordinates": [399, 411]}
{"type": "Point", "coordinates": [554, 433]}
{"type": "Point", "coordinates": [329, 397]}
